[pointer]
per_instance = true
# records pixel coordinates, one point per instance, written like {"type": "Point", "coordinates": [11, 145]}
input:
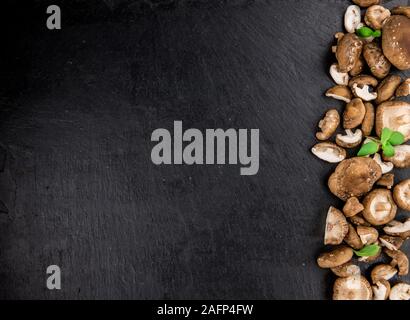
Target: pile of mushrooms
{"type": "Point", "coordinates": [374, 99]}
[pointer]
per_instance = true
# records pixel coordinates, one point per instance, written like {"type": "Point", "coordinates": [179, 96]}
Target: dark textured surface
{"type": "Point", "coordinates": [77, 109]}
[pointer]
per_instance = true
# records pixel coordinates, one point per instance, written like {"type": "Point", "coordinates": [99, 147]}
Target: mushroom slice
{"type": "Point", "coordinates": [353, 18]}
{"type": "Point", "coordinates": [338, 256]}
{"type": "Point", "coordinates": [383, 272]}
{"type": "Point", "coordinates": [401, 158]}
{"type": "Point", "coordinates": [376, 16]}
{"type": "Point", "coordinates": [398, 229]}
{"type": "Point", "coordinates": [401, 10]}
{"type": "Point", "coordinates": [352, 288]}
{"type": "Point", "coordinates": [350, 139]}
{"type": "Point", "coordinates": [368, 121]}
{"type": "Point", "coordinates": [354, 177]}
{"type": "Point", "coordinates": [354, 114]}
{"type": "Point", "coordinates": [399, 260]}
{"type": "Point", "coordinates": [366, 3]}
{"type": "Point", "coordinates": [385, 166]}
{"type": "Point", "coordinates": [404, 89]}
{"type": "Point", "coordinates": [336, 226]}
{"type": "Point", "coordinates": [340, 78]}
{"type": "Point", "coordinates": [353, 239]}
{"type": "Point", "coordinates": [400, 291]}
{"type": "Point", "coordinates": [377, 62]}
{"type": "Point", "coordinates": [368, 235]}
{"type": "Point", "coordinates": [395, 40]}
{"type": "Point", "coordinates": [363, 80]}
{"type": "Point", "coordinates": [339, 92]}
{"type": "Point", "coordinates": [387, 88]}
{"type": "Point", "coordinates": [401, 194]}
{"type": "Point", "coordinates": [352, 207]}
{"type": "Point", "coordinates": [379, 207]}
{"type": "Point", "coordinates": [390, 242]}
{"type": "Point", "coordinates": [364, 93]}
{"type": "Point", "coordinates": [394, 115]}
{"type": "Point", "coordinates": [358, 67]}
{"type": "Point", "coordinates": [381, 290]}
{"type": "Point", "coordinates": [349, 49]}
{"type": "Point", "coordinates": [387, 180]}
{"type": "Point", "coordinates": [346, 270]}
{"type": "Point", "coordinates": [328, 124]}
{"type": "Point", "coordinates": [329, 152]}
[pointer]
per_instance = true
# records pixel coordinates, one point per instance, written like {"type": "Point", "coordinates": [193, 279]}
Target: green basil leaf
{"type": "Point", "coordinates": [368, 251]}
{"type": "Point", "coordinates": [388, 150]}
{"type": "Point", "coordinates": [385, 136]}
{"type": "Point", "coordinates": [377, 34]}
{"type": "Point", "coordinates": [368, 148]}
{"type": "Point", "coordinates": [364, 32]}
{"type": "Point", "coordinates": [396, 138]}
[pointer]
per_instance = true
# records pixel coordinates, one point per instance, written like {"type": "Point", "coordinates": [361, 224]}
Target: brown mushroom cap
{"type": "Point", "coordinates": [335, 258]}
{"type": "Point", "coordinates": [346, 270]}
{"type": "Point", "coordinates": [396, 41]}
{"type": "Point", "coordinates": [381, 290]}
{"type": "Point", "coordinates": [399, 229]}
{"type": "Point", "coordinates": [363, 80]}
{"type": "Point", "coordinates": [401, 10]}
{"type": "Point", "coordinates": [336, 227]}
{"type": "Point", "coordinates": [349, 49]}
{"type": "Point", "coordinates": [339, 92]}
{"type": "Point", "coordinates": [353, 239]}
{"type": "Point", "coordinates": [387, 180]}
{"type": "Point", "coordinates": [352, 207]}
{"type": "Point", "coordinates": [354, 114]}
{"type": "Point", "coordinates": [368, 235]}
{"type": "Point", "coordinates": [328, 124]}
{"type": "Point", "coordinates": [401, 194]}
{"type": "Point", "coordinates": [354, 177]}
{"type": "Point", "coordinates": [358, 220]}
{"type": "Point", "coordinates": [383, 272]}
{"type": "Point", "coordinates": [400, 291]}
{"type": "Point", "coordinates": [377, 62]}
{"type": "Point", "coordinates": [387, 88]}
{"type": "Point", "coordinates": [391, 242]}
{"type": "Point", "coordinates": [358, 67]}
{"type": "Point", "coordinates": [368, 120]}
{"type": "Point", "coordinates": [328, 151]}
{"type": "Point", "coordinates": [366, 3]}
{"type": "Point", "coordinates": [400, 260]}
{"type": "Point", "coordinates": [376, 16]}
{"type": "Point", "coordinates": [401, 158]}
{"type": "Point", "coordinates": [394, 115]}
{"type": "Point", "coordinates": [379, 207]}
{"type": "Point", "coordinates": [404, 89]}
{"type": "Point", "coordinates": [352, 288]}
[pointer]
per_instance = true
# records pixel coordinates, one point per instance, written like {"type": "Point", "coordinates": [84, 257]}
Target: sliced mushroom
{"type": "Point", "coordinates": [395, 39]}
{"type": "Point", "coordinates": [354, 177]}
{"type": "Point", "coordinates": [387, 180]}
{"type": "Point", "coordinates": [352, 207]}
{"type": "Point", "coordinates": [353, 18]}
{"type": "Point", "coordinates": [368, 121]}
{"type": "Point", "coordinates": [376, 16]}
{"type": "Point", "coordinates": [381, 290]}
{"type": "Point", "coordinates": [385, 166]}
{"type": "Point", "coordinates": [338, 92]}
{"type": "Point", "coordinates": [358, 220]}
{"type": "Point", "coordinates": [368, 235]}
{"type": "Point", "coordinates": [352, 288]}
{"type": "Point", "coordinates": [404, 89]}
{"type": "Point", "coordinates": [379, 207]}
{"type": "Point", "coordinates": [353, 239]}
{"type": "Point", "coordinates": [329, 152]}
{"type": "Point", "coordinates": [401, 10]}
{"type": "Point", "coordinates": [336, 227]}
{"type": "Point", "coordinates": [338, 256]}
{"type": "Point", "coordinates": [398, 229]}
{"type": "Point", "coordinates": [349, 49]}
{"type": "Point", "coordinates": [328, 124]}
{"type": "Point", "coordinates": [363, 80]}
{"type": "Point", "coordinates": [354, 114]}
{"type": "Point", "coordinates": [394, 115]}
{"type": "Point", "coordinates": [358, 67]}
{"type": "Point", "coordinates": [390, 242]}
{"type": "Point", "coordinates": [401, 158]}
{"type": "Point", "coordinates": [340, 78]}
{"type": "Point", "coordinates": [346, 270]}
{"type": "Point", "coordinates": [350, 139]}
{"type": "Point", "coordinates": [383, 272]}
{"type": "Point", "coordinates": [387, 88]}
{"type": "Point", "coordinates": [366, 3]}
{"type": "Point", "coordinates": [401, 194]}
{"type": "Point", "coordinates": [377, 62]}
{"type": "Point", "coordinates": [400, 291]}
{"type": "Point", "coordinates": [364, 93]}
{"type": "Point", "coordinates": [399, 260]}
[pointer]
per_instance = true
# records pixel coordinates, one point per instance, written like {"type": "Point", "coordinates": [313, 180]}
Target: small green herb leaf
{"type": "Point", "coordinates": [388, 150]}
{"type": "Point", "coordinates": [377, 34]}
{"type": "Point", "coordinates": [368, 148]}
{"type": "Point", "coordinates": [385, 136]}
{"type": "Point", "coordinates": [368, 251]}
{"type": "Point", "coordinates": [365, 32]}
{"type": "Point", "coordinates": [396, 138]}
